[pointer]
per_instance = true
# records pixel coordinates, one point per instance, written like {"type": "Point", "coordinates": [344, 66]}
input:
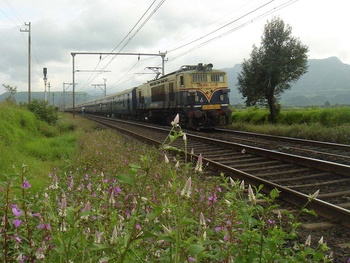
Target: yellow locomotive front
{"type": "Point", "coordinates": [205, 96]}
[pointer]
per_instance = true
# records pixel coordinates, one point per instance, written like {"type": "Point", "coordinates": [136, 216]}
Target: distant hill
{"type": "Point", "coordinates": [327, 81]}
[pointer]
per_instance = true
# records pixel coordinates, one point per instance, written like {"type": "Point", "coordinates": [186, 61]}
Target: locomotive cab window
{"type": "Point", "coordinates": [199, 78]}
{"type": "Point", "coordinates": [218, 77]}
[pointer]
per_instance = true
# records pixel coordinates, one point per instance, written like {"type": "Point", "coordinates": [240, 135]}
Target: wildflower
{"type": "Point", "coordinates": [166, 230]}
{"type": "Point", "coordinates": [241, 186]}
{"type": "Point", "coordinates": [44, 226]}
{"type": "Point", "coordinates": [271, 221]}
{"type": "Point", "coordinates": [18, 239]}
{"type": "Point", "coordinates": [166, 158]}
{"type": "Point", "coordinates": [217, 229]}
{"type": "Point", "coordinates": [251, 195]}
{"type": "Point", "coordinates": [321, 241]}
{"type": "Point", "coordinates": [202, 220]}
{"type": "Point", "coordinates": [98, 237]}
{"type": "Point", "coordinates": [184, 137]}
{"type": "Point", "coordinates": [63, 227]}
{"type": "Point", "coordinates": [21, 258]}
{"type": "Point", "coordinates": [175, 123]}
{"type": "Point", "coordinates": [314, 196]}
{"type": "Point", "coordinates": [191, 259]}
{"type": "Point", "coordinates": [17, 222]}
{"type": "Point", "coordinates": [138, 227]}
{"type": "Point", "coordinates": [39, 253]}
{"type": "Point", "coordinates": [62, 209]}
{"type": "Point", "coordinates": [279, 215]}
{"type": "Point", "coordinates": [199, 165]}
{"type": "Point", "coordinates": [16, 211]}
{"type": "Point", "coordinates": [86, 207]}
{"type": "Point", "coordinates": [232, 182]}
{"type": "Point", "coordinates": [26, 184]}
{"type": "Point", "coordinates": [114, 236]}
{"type": "Point", "coordinates": [103, 260]}
{"type": "Point", "coordinates": [54, 184]}
{"type": "Point", "coordinates": [308, 241]}
{"type": "Point", "coordinates": [187, 189]}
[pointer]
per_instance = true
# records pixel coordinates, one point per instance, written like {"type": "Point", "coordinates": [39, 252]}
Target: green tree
{"type": "Point", "coordinates": [12, 90]}
{"type": "Point", "coordinates": [271, 69]}
{"type": "Point", "coordinates": [43, 111]}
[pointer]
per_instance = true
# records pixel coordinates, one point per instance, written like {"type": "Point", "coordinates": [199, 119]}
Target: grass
{"type": "Point", "coordinates": [110, 199]}
{"type": "Point", "coordinates": [331, 124]}
{"type": "Point", "coordinates": [26, 140]}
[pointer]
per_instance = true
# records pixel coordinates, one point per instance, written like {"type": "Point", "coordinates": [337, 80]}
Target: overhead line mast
{"type": "Point", "coordinates": [160, 54]}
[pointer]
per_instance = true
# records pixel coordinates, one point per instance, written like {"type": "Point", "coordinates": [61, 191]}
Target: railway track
{"type": "Point", "coordinates": [297, 177]}
{"type": "Point", "coordinates": [327, 151]}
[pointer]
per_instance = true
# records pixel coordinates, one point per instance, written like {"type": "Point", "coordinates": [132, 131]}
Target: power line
{"type": "Point", "coordinates": [283, 5]}
{"type": "Point", "coordinates": [91, 78]}
{"type": "Point", "coordinates": [16, 14]}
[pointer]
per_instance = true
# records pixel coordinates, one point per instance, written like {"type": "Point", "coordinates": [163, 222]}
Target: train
{"type": "Point", "coordinates": [198, 93]}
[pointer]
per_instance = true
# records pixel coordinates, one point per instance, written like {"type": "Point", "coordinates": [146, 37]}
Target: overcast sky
{"type": "Point", "coordinates": [221, 32]}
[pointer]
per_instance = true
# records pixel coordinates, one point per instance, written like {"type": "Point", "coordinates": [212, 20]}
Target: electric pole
{"type": "Point", "coordinates": [29, 57]}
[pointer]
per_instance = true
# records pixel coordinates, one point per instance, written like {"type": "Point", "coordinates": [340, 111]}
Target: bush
{"type": "Point", "coordinates": [43, 111]}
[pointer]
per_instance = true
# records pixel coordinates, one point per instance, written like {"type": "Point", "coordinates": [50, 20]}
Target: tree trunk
{"type": "Point", "coordinates": [273, 109]}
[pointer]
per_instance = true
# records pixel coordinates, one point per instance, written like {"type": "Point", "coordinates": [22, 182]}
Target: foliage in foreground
{"type": "Point", "coordinates": [149, 211]}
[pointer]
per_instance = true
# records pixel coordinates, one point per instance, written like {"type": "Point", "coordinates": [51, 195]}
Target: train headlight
{"type": "Point", "coordinates": [222, 97]}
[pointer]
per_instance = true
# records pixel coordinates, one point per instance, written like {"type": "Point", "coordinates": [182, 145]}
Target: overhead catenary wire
{"type": "Point", "coordinates": [91, 78]}
{"type": "Point", "coordinates": [283, 5]}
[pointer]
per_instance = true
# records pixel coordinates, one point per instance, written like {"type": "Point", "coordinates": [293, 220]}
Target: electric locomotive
{"type": "Point", "coordinates": [198, 93]}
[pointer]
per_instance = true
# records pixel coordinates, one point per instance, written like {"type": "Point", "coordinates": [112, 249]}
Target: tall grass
{"type": "Point", "coordinates": [26, 140]}
{"type": "Point", "coordinates": [324, 124]}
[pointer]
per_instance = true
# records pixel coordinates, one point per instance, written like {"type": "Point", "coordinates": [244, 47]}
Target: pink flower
{"type": "Point", "coordinates": [16, 211]}
{"type": "Point", "coordinates": [26, 184]}
{"type": "Point", "coordinates": [17, 223]}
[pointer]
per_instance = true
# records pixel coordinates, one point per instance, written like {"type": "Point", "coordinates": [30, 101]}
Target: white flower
{"type": "Point", "coordinates": [321, 240]}
{"type": "Point", "coordinates": [279, 215]}
{"type": "Point", "coordinates": [187, 189]}
{"type": "Point", "coordinates": [314, 196]}
{"type": "Point", "coordinates": [199, 165]}
{"type": "Point", "coordinates": [175, 123]}
{"type": "Point", "coordinates": [232, 182]}
{"type": "Point", "coordinates": [241, 186]}
{"type": "Point", "coordinates": [166, 159]}
{"type": "Point", "coordinates": [251, 195]}
{"type": "Point", "coordinates": [202, 220]}
{"type": "Point", "coordinates": [308, 241]}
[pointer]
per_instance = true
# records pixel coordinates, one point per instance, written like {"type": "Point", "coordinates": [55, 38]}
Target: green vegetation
{"type": "Point", "coordinates": [110, 199]}
{"type": "Point", "coordinates": [24, 139]}
{"type": "Point", "coordinates": [323, 124]}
